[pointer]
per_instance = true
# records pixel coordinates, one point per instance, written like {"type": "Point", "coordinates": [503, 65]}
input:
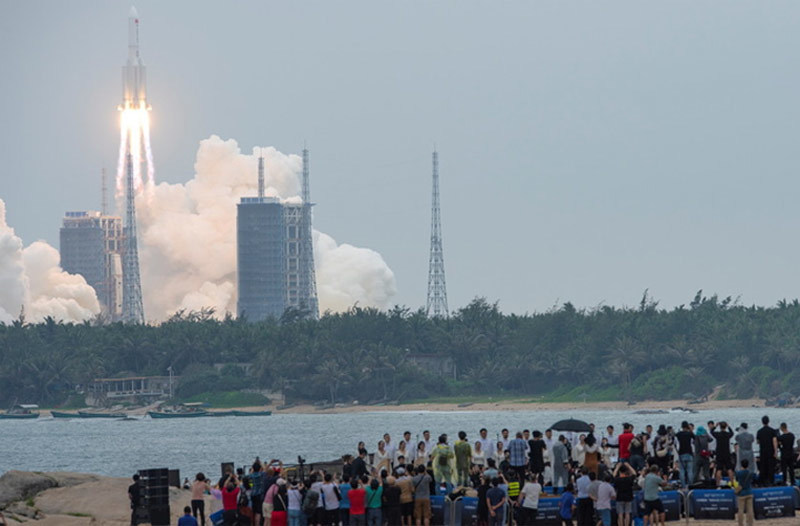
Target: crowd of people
{"type": "Point", "coordinates": [587, 472]}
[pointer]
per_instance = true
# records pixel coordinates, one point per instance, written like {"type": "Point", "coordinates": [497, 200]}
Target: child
{"type": "Point", "coordinates": [566, 505]}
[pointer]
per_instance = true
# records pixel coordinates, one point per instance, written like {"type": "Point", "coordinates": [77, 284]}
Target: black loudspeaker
{"type": "Point", "coordinates": [174, 478]}
{"type": "Point", "coordinates": [159, 516]}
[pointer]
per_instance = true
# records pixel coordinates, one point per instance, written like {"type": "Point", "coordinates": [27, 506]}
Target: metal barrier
{"type": "Point", "coordinates": [722, 504]}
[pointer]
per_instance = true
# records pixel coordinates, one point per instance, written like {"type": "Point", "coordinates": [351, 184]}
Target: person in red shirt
{"type": "Point", "coordinates": [230, 500]}
{"type": "Point", "coordinates": [357, 497]}
{"type": "Point", "coordinates": [625, 442]}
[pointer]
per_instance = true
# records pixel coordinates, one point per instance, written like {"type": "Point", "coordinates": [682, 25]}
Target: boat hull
{"type": "Point", "coordinates": [19, 417]}
{"type": "Point", "coordinates": [82, 414]}
{"type": "Point", "coordinates": [155, 414]}
{"type": "Point", "coordinates": [252, 413]}
{"type": "Point", "coordinates": [59, 414]}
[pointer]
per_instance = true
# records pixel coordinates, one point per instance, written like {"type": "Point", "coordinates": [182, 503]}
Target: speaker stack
{"type": "Point", "coordinates": [155, 485]}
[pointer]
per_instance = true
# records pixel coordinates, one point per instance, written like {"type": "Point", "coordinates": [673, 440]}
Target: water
{"type": "Point", "coordinates": [119, 448]}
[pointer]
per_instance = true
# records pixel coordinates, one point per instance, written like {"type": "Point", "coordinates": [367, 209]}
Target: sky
{"type": "Point", "coordinates": [588, 150]}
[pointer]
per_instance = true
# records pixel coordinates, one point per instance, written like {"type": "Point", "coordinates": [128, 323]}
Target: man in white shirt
{"type": "Point", "coordinates": [504, 438]}
{"type": "Point", "coordinates": [529, 501]}
{"type": "Point", "coordinates": [426, 437]}
{"type": "Point", "coordinates": [389, 446]}
{"type": "Point", "coordinates": [411, 448]}
{"type": "Point", "coordinates": [613, 440]}
{"type": "Point", "coordinates": [486, 443]}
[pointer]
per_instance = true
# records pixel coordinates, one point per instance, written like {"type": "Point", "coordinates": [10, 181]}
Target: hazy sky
{"type": "Point", "coordinates": [588, 150]}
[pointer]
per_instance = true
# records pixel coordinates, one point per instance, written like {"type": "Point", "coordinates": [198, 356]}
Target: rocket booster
{"type": "Point", "coordinates": [134, 85]}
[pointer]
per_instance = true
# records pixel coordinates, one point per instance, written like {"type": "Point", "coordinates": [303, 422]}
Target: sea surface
{"type": "Point", "coordinates": [121, 447]}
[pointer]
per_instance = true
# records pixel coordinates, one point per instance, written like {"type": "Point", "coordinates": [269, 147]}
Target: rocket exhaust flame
{"type": "Point", "coordinates": [134, 117]}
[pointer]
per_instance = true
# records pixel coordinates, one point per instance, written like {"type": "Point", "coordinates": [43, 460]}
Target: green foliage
{"type": "Point", "coordinates": [365, 354]}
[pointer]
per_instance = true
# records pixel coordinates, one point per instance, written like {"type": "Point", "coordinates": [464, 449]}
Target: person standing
{"type": "Point", "coordinates": [422, 497]}
{"type": "Point", "coordinates": [443, 460]}
{"type": "Point", "coordinates": [280, 508]}
{"type": "Point", "coordinates": [463, 453]}
{"type": "Point", "coordinates": [767, 450]}
{"type": "Point", "coordinates": [786, 446]}
{"type": "Point", "coordinates": [584, 502]}
{"type": "Point", "coordinates": [702, 454]}
{"type": "Point", "coordinates": [591, 457]}
{"type": "Point", "coordinates": [653, 507]}
{"type": "Point", "coordinates": [495, 501]}
{"type": "Point", "coordinates": [391, 502]}
{"type": "Point", "coordinates": [295, 503]}
{"type": "Point", "coordinates": [486, 442]}
{"type": "Point", "coordinates": [198, 504]}
{"type": "Point", "coordinates": [685, 439]}
{"type": "Point", "coordinates": [344, 501]}
{"type": "Point", "coordinates": [722, 459]}
{"type": "Point", "coordinates": [744, 494]}
{"type": "Point", "coordinates": [517, 456]}
{"type": "Point", "coordinates": [135, 498]}
{"type": "Point", "coordinates": [566, 505]}
{"type": "Point", "coordinates": [374, 503]}
{"type": "Point", "coordinates": [744, 447]}
{"type": "Point", "coordinates": [624, 442]}
{"type": "Point", "coordinates": [230, 500]}
{"type": "Point", "coordinates": [560, 464]}
{"type": "Point", "coordinates": [623, 484]}
{"type": "Point", "coordinates": [479, 454]}
{"type": "Point", "coordinates": [358, 498]}
{"type": "Point", "coordinates": [529, 501]}
{"type": "Point", "coordinates": [605, 494]}
{"type": "Point", "coordinates": [406, 486]}
{"type": "Point", "coordinates": [536, 452]}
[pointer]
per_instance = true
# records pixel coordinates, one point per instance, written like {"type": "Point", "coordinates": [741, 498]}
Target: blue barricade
{"type": "Point", "coordinates": [440, 510]}
{"type": "Point", "coordinates": [774, 502]}
{"type": "Point", "coordinates": [712, 504]}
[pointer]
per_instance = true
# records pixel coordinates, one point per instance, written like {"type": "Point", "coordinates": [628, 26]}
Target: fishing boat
{"type": "Point", "coordinates": [60, 414]}
{"type": "Point", "coordinates": [22, 411]}
{"type": "Point", "coordinates": [90, 414]}
{"type": "Point", "coordinates": [187, 410]}
{"type": "Point", "coordinates": [251, 413]}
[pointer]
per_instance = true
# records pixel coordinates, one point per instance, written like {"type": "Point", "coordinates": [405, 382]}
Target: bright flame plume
{"type": "Point", "coordinates": [134, 129]}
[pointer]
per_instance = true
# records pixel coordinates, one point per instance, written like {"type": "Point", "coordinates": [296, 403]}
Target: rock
{"type": "Point", "coordinates": [21, 508]}
{"type": "Point", "coordinates": [20, 485]}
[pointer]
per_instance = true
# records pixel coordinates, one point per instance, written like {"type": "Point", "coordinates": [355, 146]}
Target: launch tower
{"type": "Point", "coordinates": [437, 286]}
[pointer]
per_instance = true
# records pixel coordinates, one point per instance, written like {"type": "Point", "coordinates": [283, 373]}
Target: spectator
{"type": "Point", "coordinates": [187, 519]}
{"type": "Point", "coordinates": [744, 494]}
{"type": "Point", "coordinates": [529, 501]}
{"type": "Point", "coordinates": [495, 501]}
{"type": "Point", "coordinates": [767, 451]}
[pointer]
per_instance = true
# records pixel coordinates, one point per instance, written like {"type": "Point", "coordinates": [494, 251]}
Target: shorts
{"type": "Point", "coordinates": [605, 516]}
{"type": "Point", "coordinates": [257, 503]}
{"type": "Point", "coordinates": [724, 463]}
{"type": "Point", "coordinates": [407, 509]}
{"type": "Point", "coordinates": [422, 508]}
{"type": "Point", "coordinates": [319, 515]}
{"type": "Point", "coordinates": [331, 516]}
{"type": "Point", "coordinates": [624, 507]}
{"type": "Point", "coordinates": [653, 505]}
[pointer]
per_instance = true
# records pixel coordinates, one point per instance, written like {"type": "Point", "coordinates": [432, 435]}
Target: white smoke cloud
{"type": "Point", "coordinates": [187, 237]}
{"type": "Point", "coordinates": [31, 276]}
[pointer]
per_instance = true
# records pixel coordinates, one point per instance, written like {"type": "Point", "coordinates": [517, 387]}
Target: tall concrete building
{"type": "Point", "coordinates": [275, 254]}
{"type": "Point", "coordinates": [91, 245]}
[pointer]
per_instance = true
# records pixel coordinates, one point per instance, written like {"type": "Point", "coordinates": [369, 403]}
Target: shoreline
{"type": "Point", "coordinates": [509, 405]}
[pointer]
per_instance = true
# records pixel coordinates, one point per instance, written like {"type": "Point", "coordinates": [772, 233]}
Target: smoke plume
{"type": "Point", "coordinates": [187, 237]}
{"type": "Point", "coordinates": [31, 277]}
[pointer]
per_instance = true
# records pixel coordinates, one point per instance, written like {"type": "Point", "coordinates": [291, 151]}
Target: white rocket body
{"type": "Point", "coordinates": [134, 85]}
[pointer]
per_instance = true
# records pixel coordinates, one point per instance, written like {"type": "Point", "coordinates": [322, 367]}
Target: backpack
{"type": "Point", "coordinates": [444, 455]}
{"type": "Point", "coordinates": [310, 502]}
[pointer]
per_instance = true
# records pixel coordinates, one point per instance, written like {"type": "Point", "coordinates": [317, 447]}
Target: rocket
{"type": "Point", "coordinates": [134, 86]}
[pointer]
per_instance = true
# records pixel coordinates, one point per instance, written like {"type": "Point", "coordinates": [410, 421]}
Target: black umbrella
{"type": "Point", "coordinates": [571, 424]}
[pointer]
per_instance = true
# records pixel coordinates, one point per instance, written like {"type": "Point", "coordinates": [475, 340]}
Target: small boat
{"type": "Point", "coordinates": [221, 413]}
{"type": "Point", "coordinates": [89, 414]}
{"type": "Point", "coordinates": [22, 411]}
{"type": "Point", "coordinates": [177, 414]}
{"type": "Point", "coordinates": [59, 414]}
{"type": "Point", "coordinates": [251, 413]}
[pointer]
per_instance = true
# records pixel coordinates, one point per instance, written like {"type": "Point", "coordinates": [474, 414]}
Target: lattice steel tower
{"type": "Point", "coordinates": [437, 286]}
{"type": "Point", "coordinates": [132, 308]}
{"type": "Point", "coordinates": [308, 279]}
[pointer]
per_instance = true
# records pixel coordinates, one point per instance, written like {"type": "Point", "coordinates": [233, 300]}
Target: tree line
{"type": "Point", "coordinates": [634, 353]}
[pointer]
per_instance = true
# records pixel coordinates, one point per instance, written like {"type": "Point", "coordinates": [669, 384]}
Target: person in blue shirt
{"type": "Point", "coordinates": [344, 503]}
{"type": "Point", "coordinates": [566, 505]}
{"type": "Point", "coordinates": [187, 519]}
{"type": "Point", "coordinates": [744, 497]}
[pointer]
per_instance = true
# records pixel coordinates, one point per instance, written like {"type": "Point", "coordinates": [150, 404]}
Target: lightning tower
{"type": "Point", "coordinates": [132, 308]}
{"type": "Point", "coordinates": [308, 277]}
{"type": "Point", "coordinates": [437, 286]}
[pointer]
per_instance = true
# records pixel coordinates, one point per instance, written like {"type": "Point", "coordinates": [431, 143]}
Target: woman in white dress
{"type": "Point", "coordinates": [607, 453]}
{"type": "Point", "coordinates": [478, 455]}
{"type": "Point", "coordinates": [499, 453]}
{"type": "Point", "coordinates": [421, 458]}
{"type": "Point", "coordinates": [579, 451]}
{"type": "Point", "coordinates": [400, 452]}
{"type": "Point", "coordinates": [381, 459]}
